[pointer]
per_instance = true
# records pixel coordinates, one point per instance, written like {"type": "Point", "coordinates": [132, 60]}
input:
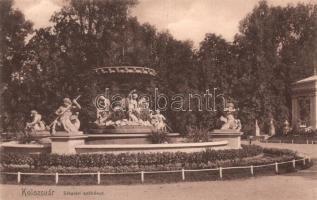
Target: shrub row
{"type": "Point", "coordinates": [280, 152]}
{"type": "Point", "coordinates": [126, 159]}
{"type": "Point", "coordinates": [258, 160]}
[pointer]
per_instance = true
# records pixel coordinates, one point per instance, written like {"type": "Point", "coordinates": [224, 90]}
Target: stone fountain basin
{"type": "Point", "coordinates": [127, 129]}
{"type": "Point", "coordinates": [128, 138]}
{"type": "Point", "coordinates": [151, 148]}
{"type": "Point", "coordinates": [124, 143]}
{"type": "Point", "coordinates": [14, 147]}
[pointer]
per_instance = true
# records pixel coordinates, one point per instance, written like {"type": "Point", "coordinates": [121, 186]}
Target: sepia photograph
{"type": "Point", "coordinates": [158, 99]}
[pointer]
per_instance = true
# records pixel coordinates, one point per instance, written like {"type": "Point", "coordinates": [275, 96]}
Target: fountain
{"type": "Point", "coordinates": [123, 125]}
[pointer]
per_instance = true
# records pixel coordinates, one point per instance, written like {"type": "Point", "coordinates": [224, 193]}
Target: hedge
{"type": "Point", "coordinates": [261, 160]}
{"type": "Point", "coordinates": [279, 152]}
{"type": "Point", "coordinates": [248, 155]}
{"type": "Point", "coordinates": [127, 159]}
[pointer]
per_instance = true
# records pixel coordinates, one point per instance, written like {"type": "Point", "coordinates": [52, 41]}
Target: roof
{"type": "Point", "coordinates": [308, 79]}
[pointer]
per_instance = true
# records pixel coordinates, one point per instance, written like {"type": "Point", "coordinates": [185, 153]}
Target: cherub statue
{"type": "Point", "coordinates": [132, 101]}
{"type": "Point", "coordinates": [103, 110]}
{"type": "Point", "coordinates": [37, 124]}
{"type": "Point", "coordinates": [230, 121]}
{"type": "Point", "coordinates": [67, 118]}
{"type": "Point", "coordinates": [133, 106]}
{"type": "Point", "coordinates": [158, 121]}
{"type": "Point", "coordinates": [132, 117]}
{"type": "Point", "coordinates": [143, 103]}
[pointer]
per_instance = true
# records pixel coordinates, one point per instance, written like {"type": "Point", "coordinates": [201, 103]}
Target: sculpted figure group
{"type": "Point", "coordinates": [66, 120]}
{"type": "Point", "coordinates": [229, 120]}
{"type": "Point", "coordinates": [67, 116]}
{"type": "Point", "coordinates": [133, 106]}
{"type": "Point", "coordinates": [37, 123]}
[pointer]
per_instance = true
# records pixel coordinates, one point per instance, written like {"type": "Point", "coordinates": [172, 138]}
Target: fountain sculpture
{"type": "Point", "coordinates": [120, 126]}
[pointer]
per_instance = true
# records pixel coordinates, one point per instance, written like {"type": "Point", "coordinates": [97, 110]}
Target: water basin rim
{"type": "Point", "coordinates": [148, 146]}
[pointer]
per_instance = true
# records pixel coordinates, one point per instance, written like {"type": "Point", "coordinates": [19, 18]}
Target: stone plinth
{"type": "Point", "coordinates": [15, 147]}
{"type": "Point", "coordinates": [232, 136]}
{"type": "Point", "coordinates": [64, 143]}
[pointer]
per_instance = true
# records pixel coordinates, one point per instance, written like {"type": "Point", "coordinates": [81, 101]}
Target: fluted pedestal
{"type": "Point", "coordinates": [233, 137]}
{"type": "Point", "coordinates": [65, 143]}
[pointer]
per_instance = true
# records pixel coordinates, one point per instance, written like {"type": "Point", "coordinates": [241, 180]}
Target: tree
{"type": "Point", "coordinates": [216, 70]}
{"type": "Point", "coordinates": [13, 31]}
{"type": "Point", "coordinates": [215, 61]}
{"type": "Point", "coordinates": [90, 34]}
{"type": "Point", "coordinates": [174, 62]}
{"type": "Point", "coordinates": [276, 47]}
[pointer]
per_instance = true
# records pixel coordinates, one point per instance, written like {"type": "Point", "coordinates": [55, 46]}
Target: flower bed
{"type": "Point", "coordinates": [157, 168]}
{"type": "Point", "coordinates": [248, 155]}
{"type": "Point", "coordinates": [126, 159]}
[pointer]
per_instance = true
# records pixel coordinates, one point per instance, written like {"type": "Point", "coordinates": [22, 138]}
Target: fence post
{"type": "Point", "coordinates": [294, 164]}
{"type": "Point", "coordinates": [142, 176]}
{"type": "Point", "coordinates": [19, 177]}
{"type": "Point", "coordinates": [304, 161]}
{"type": "Point", "coordinates": [56, 178]}
{"type": "Point", "coordinates": [292, 141]}
{"type": "Point", "coordinates": [252, 171]}
{"type": "Point", "coordinates": [306, 141]}
{"type": "Point", "coordinates": [98, 177]}
{"type": "Point", "coordinates": [220, 172]}
{"type": "Point", "coordinates": [183, 174]}
{"type": "Point", "coordinates": [276, 167]}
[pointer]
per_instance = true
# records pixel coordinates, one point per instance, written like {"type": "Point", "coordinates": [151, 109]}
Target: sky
{"type": "Point", "coordinates": [184, 19]}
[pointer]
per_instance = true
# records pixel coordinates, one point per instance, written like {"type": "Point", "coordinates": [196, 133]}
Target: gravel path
{"type": "Point", "coordinates": [294, 186]}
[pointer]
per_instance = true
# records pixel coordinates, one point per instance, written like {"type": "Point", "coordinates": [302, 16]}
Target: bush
{"type": "Point", "coordinates": [197, 134]}
{"type": "Point", "coordinates": [248, 155]}
{"type": "Point", "coordinates": [127, 159]}
{"type": "Point", "coordinates": [298, 133]}
{"type": "Point", "coordinates": [158, 137]}
{"type": "Point", "coordinates": [280, 152]}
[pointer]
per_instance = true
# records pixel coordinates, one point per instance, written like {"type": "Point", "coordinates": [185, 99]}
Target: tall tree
{"type": "Point", "coordinates": [277, 46]}
{"type": "Point", "coordinates": [90, 34]}
{"type": "Point", "coordinates": [13, 31]}
{"type": "Point", "coordinates": [215, 61]}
